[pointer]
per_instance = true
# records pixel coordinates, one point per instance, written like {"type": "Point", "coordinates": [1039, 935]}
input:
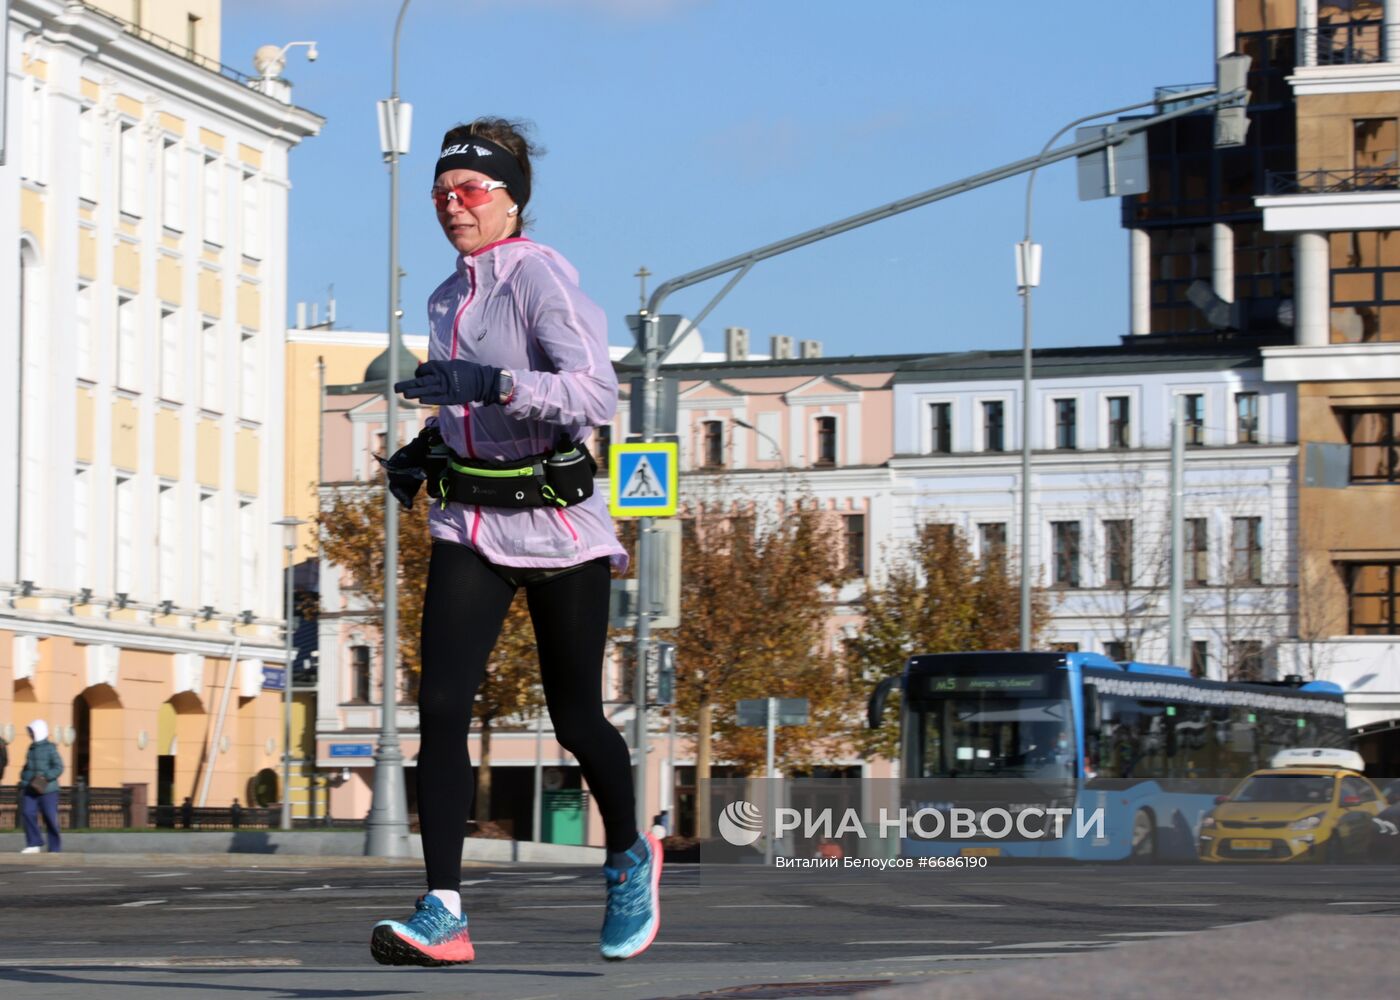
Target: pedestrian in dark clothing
{"type": "Point", "coordinates": [4, 757]}
{"type": "Point", "coordinates": [235, 812]}
{"type": "Point", "coordinates": [38, 792]}
{"type": "Point", "coordinates": [187, 813]}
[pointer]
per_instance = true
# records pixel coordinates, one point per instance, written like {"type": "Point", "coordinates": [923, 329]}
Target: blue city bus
{"type": "Point", "coordinates": [1149, 745]}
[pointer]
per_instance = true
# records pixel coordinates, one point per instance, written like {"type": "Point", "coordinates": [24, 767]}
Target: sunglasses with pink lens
{"type": "Point", "coordinates": [472, 194]}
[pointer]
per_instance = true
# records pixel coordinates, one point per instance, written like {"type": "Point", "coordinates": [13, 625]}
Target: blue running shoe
{"type": "Point", "coordinates": [634, 902]}
{"type": "Point", "coordinates": [432, 936]}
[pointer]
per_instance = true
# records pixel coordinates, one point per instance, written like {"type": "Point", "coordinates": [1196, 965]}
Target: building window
{"type": "Point", "coordinates": [1118, 547]}
{"type": "Point", "coordinates": [213, 207]}
{"type": "Point", "coordinates": [82, 331]}
{"type": "Point", "coordinates": [252, 215]}
{"type": "Point", "coordinates": [168, 548]}
{"type": "Point", "coordinates": [992, 539]}
{"type": "Point", "coordinates": [1247, 417]}
{"type": "Point", "coordinates": [209, 549]}
{"type": "Point", "coordinates": [81, 507]}
{"type": "Point", "coordinates": [1118, 652]}
{"type": "Point", "coordinates": [247, 555]}
{"type": "Point", "coordinates": [1066, 429]}
{"type": "Point", "coordinates": [170, 374]}
{"type": "Point", "coordinates": [170, 214]}
{"type": "Point", "coordinates": [855, 545]}
{"type": "Point", "coordinates": [128, 345]}
{"type": "Point", "coordinates": [1246, 550]}
{"type": "Point", "coordinates": [34, 109]}
{"type": "Point", "coordinates": [129, 177]}
{"type": "Point", "coordinates": [210, 362]}
{"type": "Point", "coordinates": [826, 441]}
{"type": "Point", "coordinates": [1374, 598]}
{"type": "Point", "coordinates": [359, 673]}
{"type": "Point", "coordinates": [1119, 421]}
{"type": "Point", "coordinates": [1246, 660]}
{"type": "Point", "coordinates": [1066, 535]}
{"type": "Point", "coordinates": [993, 425]}
{"type": "Point", "coordinates": [1200, 658]}
{"type": "Point", "coordinates": [249, 382]}
{"type": "Point", "coordinates": [1365, 289]}
{"type": "Point", "coordinates": [1064, 647]}
{"type": "Point", "coordinates": [1195, 418]}
{"type": "Point", "coordinates": [940, 425]}
{"type": "Point", "coordinates": [123, 529]}
{"type": "Point", "coordinates": [1196, 543]}
{"type": "Point", "coordinates": [1374, 436]}
{"type": "Point", "coordinates": [602, 444]}
{"type": "Point", "coordinates": [712, 453]}
{"type": "Point", "coordinates": [87, 153]}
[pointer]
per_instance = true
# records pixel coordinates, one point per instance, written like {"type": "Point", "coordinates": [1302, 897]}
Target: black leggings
{"type": "Point", "coordinates": [466, 602]}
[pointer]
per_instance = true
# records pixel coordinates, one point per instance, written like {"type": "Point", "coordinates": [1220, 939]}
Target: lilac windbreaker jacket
{"type": "Point", "coordinates": [516, 304]}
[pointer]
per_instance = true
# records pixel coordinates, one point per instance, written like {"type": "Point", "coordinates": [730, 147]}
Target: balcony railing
{"type": "Point", "coordinates": [174, 47]}
{"type": "Point", "coordinates": [1343, 44]}
{"type": "Point", "coordinates": [1333, 181]}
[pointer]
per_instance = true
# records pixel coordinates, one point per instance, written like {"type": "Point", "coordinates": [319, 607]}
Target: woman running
{"type": "Point", "coordinates": [519, 368]}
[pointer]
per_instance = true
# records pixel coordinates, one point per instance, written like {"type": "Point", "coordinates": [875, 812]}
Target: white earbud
{"type": "Point", "coordinates": [512, 210]}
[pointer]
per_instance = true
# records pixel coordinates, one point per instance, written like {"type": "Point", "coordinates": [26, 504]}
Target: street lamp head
{"type": "Point", "coordinates": [270, 60]}
{"type": "Point", "coordinates": [744, 424]}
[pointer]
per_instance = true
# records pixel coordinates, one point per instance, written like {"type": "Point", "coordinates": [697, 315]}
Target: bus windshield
{"type": "Point", "coordinates": [988, 729]}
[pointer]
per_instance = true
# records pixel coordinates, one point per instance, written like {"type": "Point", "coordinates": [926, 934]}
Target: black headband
{"type": "Point", "coordinates": [485, 157]}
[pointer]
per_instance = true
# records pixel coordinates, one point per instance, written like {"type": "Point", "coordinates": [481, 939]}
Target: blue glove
{"type": "Point", "coordinates": [451, 383]}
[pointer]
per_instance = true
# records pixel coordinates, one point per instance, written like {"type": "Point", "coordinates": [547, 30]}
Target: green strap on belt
{"type": "Point", "coordinates": [465, 470]}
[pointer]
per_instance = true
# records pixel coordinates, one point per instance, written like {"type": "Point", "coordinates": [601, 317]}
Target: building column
{"type": "Point", "coordinates": [1222, 260]}
{"type": "Point", "coordinates": [1225, 27]}
{"type": "Point", "coordinates": [1390, 42]}
{"type": "Point", "coordinates": [1139, 282]}
{"type": "Point", "coordinates": [1307, 32]}
{"type": "Point", "coordinates": [1311, 294]}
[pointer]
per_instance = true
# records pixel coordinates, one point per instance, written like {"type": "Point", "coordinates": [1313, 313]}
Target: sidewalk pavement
{"type": "Point", "coordinates": [330, 845]}
{"type": "Point", "coordinates": [1303, 956]}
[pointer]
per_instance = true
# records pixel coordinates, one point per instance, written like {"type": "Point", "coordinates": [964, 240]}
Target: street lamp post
{"type": "Point", "coordinates": [387, 825]}
{"type": "Point", "coordinates": [1027, 277]}
{"type": "Point", "coordinates": [289, 527]}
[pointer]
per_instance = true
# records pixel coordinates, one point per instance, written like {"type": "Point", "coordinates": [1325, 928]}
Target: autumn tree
{"type": "Point", "coordinates": [937, 597]}
{"type": "Point", "coordinates": [756, 592]}
{"type": "Point", "coordinates": [352, 537]}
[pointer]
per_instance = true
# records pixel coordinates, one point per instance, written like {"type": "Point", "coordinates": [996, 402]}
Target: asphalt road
{"type": "Point", "coordinates": [118, 929]}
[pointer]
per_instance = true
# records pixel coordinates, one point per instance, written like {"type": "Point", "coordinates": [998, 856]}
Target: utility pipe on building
{"type": "Point", "coordinates": [1175, 625]}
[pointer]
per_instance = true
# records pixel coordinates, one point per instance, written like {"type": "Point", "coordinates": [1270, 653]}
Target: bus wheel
{"type": "Point", "coordinates": [1144, 846]}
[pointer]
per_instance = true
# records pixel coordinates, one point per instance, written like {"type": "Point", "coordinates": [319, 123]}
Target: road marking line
{"type": "Point", "coordinates": [928, 941]}
{"type": "Point", "coordinates": [692, 944]}
{"type": "Point", "coordinates": [953, 906]}
{"type": "Point", "coordinates": [761, 906]}
{"type": "Point", "coordinates": [165, 875]}
{"type": "Point", "coordinates": [1148, 934]}
{"type": "Point", "coordinates": [1156, 905]}
{"type": "Point", "coordinates": [558, 906]}
{"type": "Point", "coordinates": [1369, 902]}
{"type": "Point", "coordinates": [1055, 944]}
{"type": "Point", "coordinates": [218, 962]}
{"type": "Point", "coordinates": [248, 907]}
{"type": "Point", "coordinates": [142, 902]}
{"type": "Point", "coordinates": [980, 956]}
{"type": "Point", "coordinates": [55, 871]}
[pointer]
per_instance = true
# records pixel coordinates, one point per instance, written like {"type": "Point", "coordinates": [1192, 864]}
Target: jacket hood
{"type": "Point", "coordinates": [39, 730]}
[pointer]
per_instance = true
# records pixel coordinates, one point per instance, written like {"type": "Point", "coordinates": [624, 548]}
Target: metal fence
{"type": "Point", "coordinates": [1332, 181]}
{"type": "Point", "coordinates": [89, 808]}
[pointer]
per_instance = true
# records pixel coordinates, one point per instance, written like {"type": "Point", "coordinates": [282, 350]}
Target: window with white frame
{"type": "Point", "coordinates": [1065, 536]}
{"type": "Point", "coordinates": [249, 384]}
{"type": "Point", "coordinates": [826, 441]}
{"type": "Point", "coordinates": [247, 555]}
{"type": "Point", "coordinates": [123, 529]}
{"type": "Point", "coordinates": [128, 344]}
{"type": "Point", "coordinates": [129, 170]}
{"type": "Point", "coordinates": [81, 504]}
{"type": "Point", "coordinates": [170, 353]}
{"type": "Point", "coordinates": [1120, 421]}
{"type": "Point", "coordinates": [250, 197]}
{"type": "Point", "coordinates": [208, 549]}
{"type": "Point", "coordinates": [210, 360]}
{"type": "Point", "coordinates": [993, 425]}
{"type": "Point", "coordinates": [83, 352]}
{"type": "Point", "coordinates": [1066, 424]}
{"type": "Point", "coordinates": [34, 112]}
{"type": "Point", "coordinates": [168, 543]}
{"type": "Point", "coordinates": [213, 201]}
{"type": "Point", "coordinates": [940, 428]}
{"type": "Point", "coordinates": [171, 216]}
{"type": "Point", "coordinates": [1247, 417]}
{"type": "Point", "coordinates": [1195, 420]}
{"type": "Point", "coordinates": [87, 153]}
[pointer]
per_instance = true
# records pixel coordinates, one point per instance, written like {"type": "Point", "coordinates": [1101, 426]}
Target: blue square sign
{"type": "Point", "coordinates": [643, 477]}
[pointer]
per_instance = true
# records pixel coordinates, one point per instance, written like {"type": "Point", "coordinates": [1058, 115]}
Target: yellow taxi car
{"type": "Point", "coordinates": [1311, 804]}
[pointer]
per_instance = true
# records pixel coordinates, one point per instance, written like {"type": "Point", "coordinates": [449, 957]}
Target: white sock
{"type": "Point", "coordinates": [451, 900]}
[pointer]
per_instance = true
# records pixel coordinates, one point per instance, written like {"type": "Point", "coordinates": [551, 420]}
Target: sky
{"type": "Point", "coordinates": [682, 132]}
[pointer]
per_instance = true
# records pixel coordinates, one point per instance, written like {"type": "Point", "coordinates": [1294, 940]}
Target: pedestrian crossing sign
{"type": "Point", "coordinates": [643, 478]}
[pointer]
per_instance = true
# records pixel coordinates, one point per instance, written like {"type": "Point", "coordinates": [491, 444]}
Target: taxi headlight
{"type": "Point", "coordinates": [1208, 823]}
{"type": "Point", "coordinates": [1310, 823]}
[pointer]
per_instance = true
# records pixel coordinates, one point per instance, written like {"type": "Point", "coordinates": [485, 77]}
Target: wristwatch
{"type": "Point", "coordinates": [505, 386]}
